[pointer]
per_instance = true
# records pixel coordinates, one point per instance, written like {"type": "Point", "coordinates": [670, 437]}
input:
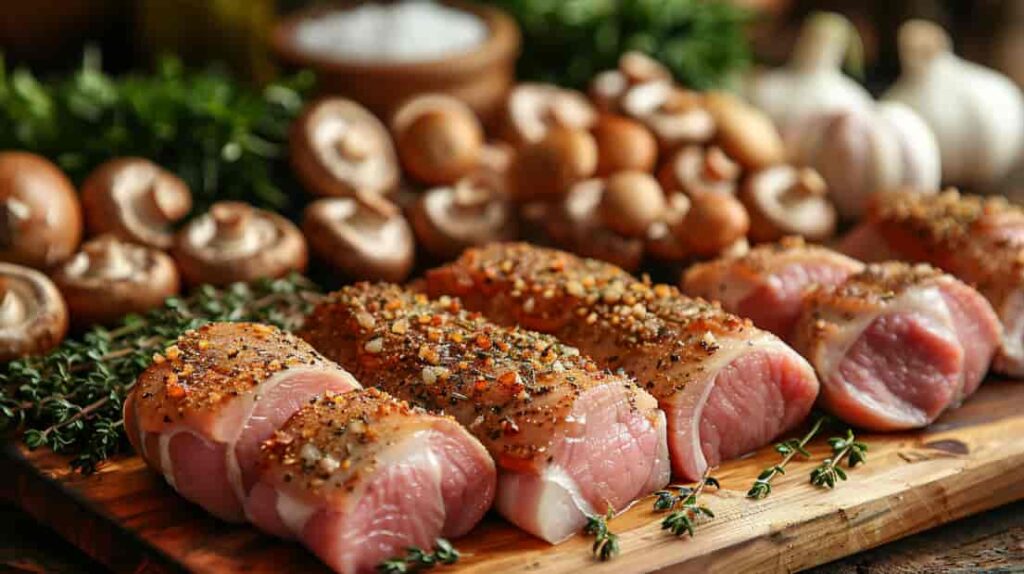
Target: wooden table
{"type": "Point", "coordinates": [990, 542]}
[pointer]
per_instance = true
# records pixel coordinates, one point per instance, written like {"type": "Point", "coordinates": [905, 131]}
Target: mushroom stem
{"type": "Point", "coordinates": [376, 205]}
{"type": "Point", "coordinates": [165, 202]}
{"type": "Point", "coordinates": [231, 220]}
{"type": "Point", "coordinates": [355, 144]}
{"type": "Point", "coordinates": [718, 166]}
{"type": "Point", "coordinates": [12, 213]}
{"type": "Point", "coordinates": [12, 308]}
{"type": "Point", "coordinates": [467, 195]}
{"type": "Point", "coordinates": [808, 183]}
{"type": "Point", "coordinates": [107, 259]}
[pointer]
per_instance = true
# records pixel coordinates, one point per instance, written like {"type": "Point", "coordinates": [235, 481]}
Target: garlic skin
{"type": "Point", "coordinates": [976, 114]}
{"type": "Point", "coordinates": [812, 82]}
{"type": "Point", "coordinates": [860, 152]}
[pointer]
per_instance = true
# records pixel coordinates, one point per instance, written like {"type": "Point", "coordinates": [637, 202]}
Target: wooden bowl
{"type": "Point", "coordinates": [481, 76]}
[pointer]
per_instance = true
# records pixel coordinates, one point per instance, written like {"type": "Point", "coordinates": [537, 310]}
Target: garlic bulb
{"type": "Point", "coordinates": [812, 83]}
{"type": "Point", "coordinates": [976, 113]}
{"type": "Point", "coordinates": [860, 152]}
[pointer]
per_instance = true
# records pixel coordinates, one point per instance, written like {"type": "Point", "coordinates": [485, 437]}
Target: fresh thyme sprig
{"type": "Point", "coordinates": [417, 559]}
{"type": "Point", "coordinates": [683, 520]}
{"type": "Point", "coordinates": [789, 449]}
{"type": "Point", "coordinates": [606, 542]}
{"type": "Point", "coordinates": [70, 400]}
{"type": "Point", "coordinates": [847, 448]}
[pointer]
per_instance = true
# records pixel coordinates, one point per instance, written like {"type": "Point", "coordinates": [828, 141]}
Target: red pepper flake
{"type": "Point", "coordinates": [508, 378]}
{"type": "Point", "coordinates": [502, 346]}
{"type": "Point", "coordinates": [480, 385]}
{"type": "Point", "coordinates": [483, 341]}
{"type": "Point", "coordinates": [437, 320]}
{"type": "Point", "coordinates": [393, 304]}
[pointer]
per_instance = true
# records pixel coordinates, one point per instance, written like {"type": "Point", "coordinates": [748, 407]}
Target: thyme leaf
{"type": "Point", "coordinates": [789, 449]}
{"type": "Point", "coordinates": [830, 472]}
{"type": "Point", "coordinates": [606, 542]}
{"type": "Point", "coordinates": [417, 559]}
{"type": "Point", "coordinates": [684, 520]}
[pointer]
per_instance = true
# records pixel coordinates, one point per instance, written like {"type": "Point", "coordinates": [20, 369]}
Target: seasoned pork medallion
{"type": "Point", "coordinates": [767, 285]}
{"type": "Point", "coordinates": [897, 344]}
{"type": "Point", "coordinates": [198, 414]}
{"type": "Point", "coordinates": [980, 240]}
{"type": "Point", "coordinates": [361, 476]}
{"type": "Point", "coordinates": [726, 387]}
{"type": "Point", "coordinates": [568, 438]}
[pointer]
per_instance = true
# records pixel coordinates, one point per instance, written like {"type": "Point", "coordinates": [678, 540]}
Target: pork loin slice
{"type": "Point", "coordinates": [979, 240]}
{"type": "Point", "coordinates": [198, 414]}
{"type": "Point", "coordinates": [897, 344]}
{"type": "Point", "coordinates": [768, 283]}
{"type": "Point", "coordinates": [568, 438]}
{"type": "Point", "coordinates": [361, 476]}
{"type": "Point", "coordinates": [726, 386]}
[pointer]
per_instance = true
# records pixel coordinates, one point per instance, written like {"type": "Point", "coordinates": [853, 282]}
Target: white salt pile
{"type": "Point", "coordinates": [396, 32]}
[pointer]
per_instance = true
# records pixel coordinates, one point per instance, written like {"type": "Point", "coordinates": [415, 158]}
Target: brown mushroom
{"type": "Point", "coordinates": [361, 242]}
{"type": "Point", "coordinates": [745, 133]}
{"type": "Point", "coordinates": [714, 223]}
{"type": "Point", "coordinates": [533, 109]}
{"type": "Point", "coordinates": [136, 200]}
{"type": "Point", "coordinates": [438, 137]}
{"type": "Point", "coordinates": [339, 149]}
{"type": "Point", "coordinates": [661, 244]}
{"type": "Point", "coordinates": [608, 88]}
{"type": "Point", "coordinates": [447, 220]}
{"type": "Point", "coordinates": [40, 218]}
{"type": "Point", "coordinates": [674, 115]}
{"type": "Point", "coordinates": [234, 241]}
{"type": "Point", "coordinates": [631, 202]}
{"type": "Point", "coordinates": [109, 278]}
{"type": "Point", "coordinates": [575, 225]}
{"type": "Point", "coordinates": [694, 170]}
{"type": "Point", "coordinates": [33, 317]}
{"type": "Point", "coordinates": [785, 200]}
{"type": "Point", "coordinates": [623, 144]}
{"type": "Point", "coordinates": [545, 170]}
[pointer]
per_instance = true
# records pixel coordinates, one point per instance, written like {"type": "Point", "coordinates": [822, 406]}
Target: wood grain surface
{"type": "Point", "coordinates": [970, 460]}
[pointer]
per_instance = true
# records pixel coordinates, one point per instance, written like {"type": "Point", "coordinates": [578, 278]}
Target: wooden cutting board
{"type": "Point", "coordinates": [970, 460]}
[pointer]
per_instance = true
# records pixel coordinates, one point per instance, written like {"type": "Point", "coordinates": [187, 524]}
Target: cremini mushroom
{"type": "Point", "coordinates": [696, 169]}
{"type": "Point", "coordinates": [623, 144]}
{"type": "Point", "coordinates": [136, 200]}
{"type": "Point", "coordinates": [234, 241]}
{"type": "Point", "coordinates": [545, 170]}
{"type": "Point", "coordinates": [661, 244]}
{"type": "Point", "coordinates": [40, 217]}
{"type": "Point", "coordinates": [574, 224]}
{"type": "Point", "coordinates": [714, 223]}
{"type": "Point", "coordinates": [447, 220]}
{"type": "Point", "coordinates": [533, 109]}
{"type": "Point", "coordinates": [608, 88]}
{"type": "Point", "coordinates": [745, 133]}
{"type": "Point", "coordinates": [109, 278]}
{"type": "Point", "coordinates": [33, 317]}
{"type": "Point", "coordinates": [339, 149]}
{"type": "Point", "coordinates": [674, 115]}
{"type": "Point", "coordinates": [785, 200]}
{"type": "Point", "coordinates": [631, 202]}
{"type": "Point", "coordinates": [438, 137]}
{"type": "Point", "coordinates": [359, 241]}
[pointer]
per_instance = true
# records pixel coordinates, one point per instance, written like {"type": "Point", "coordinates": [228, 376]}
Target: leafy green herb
{"type": "Point", "coordinates": [417, 559]}
{"type": "Point", "coordinates": [847, 448]}
{"type": "Point", "coordinates": [606, 542]}
{"type": "Point", "coordinates": [225, 139]}
{"type": "Point", "coordinates": [70, 400]}
{"type": "Point", "coordinates": [569, 41]}
{"type": "Point", "coordinates": [789, 449]}
{"type": "Point", "coordinates": [684, 520]}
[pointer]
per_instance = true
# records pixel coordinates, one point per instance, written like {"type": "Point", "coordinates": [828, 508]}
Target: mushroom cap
{"type": "Point", "coordinates": [235, 241]}
{"type": "Point", "coordinates": [631, 202]}
{"type": "Point", "coordinates": [33, 316]}
{"type": "Point", "coordinates": [607, 88]}
{"type": "Point", "coordinates": [447, 220]}
{"type": "Point", "coordinates": [746, 133]}
{"type": "Point", "coordinates": [574, 224]}
{"type": "Point", "coordinates": [438, 137]}
{"type": "Point", "coordinates": [623, 144]}
{"type": "Point", "coordinates": [714, 223]}
{"type": "Point", "coordinates": [785, 200]}
{"type": "Point", "coordinates": [548, 168]}
{"type": "Point", "coordinates": [674, 115]}
{"type": "Point", "coordinates": [696, 169]}
{"type": "Point", "coordinates": [361, 243]}
{"type": "Point", "coordinates": [340, 149]}
{"type": "Point", "coordinates": [40, 217]}
{"type": "Point", "coordinates": [110, 278]}
{"type": "Point", "coordinates": [660, 243]}
{"type": "Point", "coordinates": [533, 109]}
{"type": "Point", "coordinates": [136, 200]}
